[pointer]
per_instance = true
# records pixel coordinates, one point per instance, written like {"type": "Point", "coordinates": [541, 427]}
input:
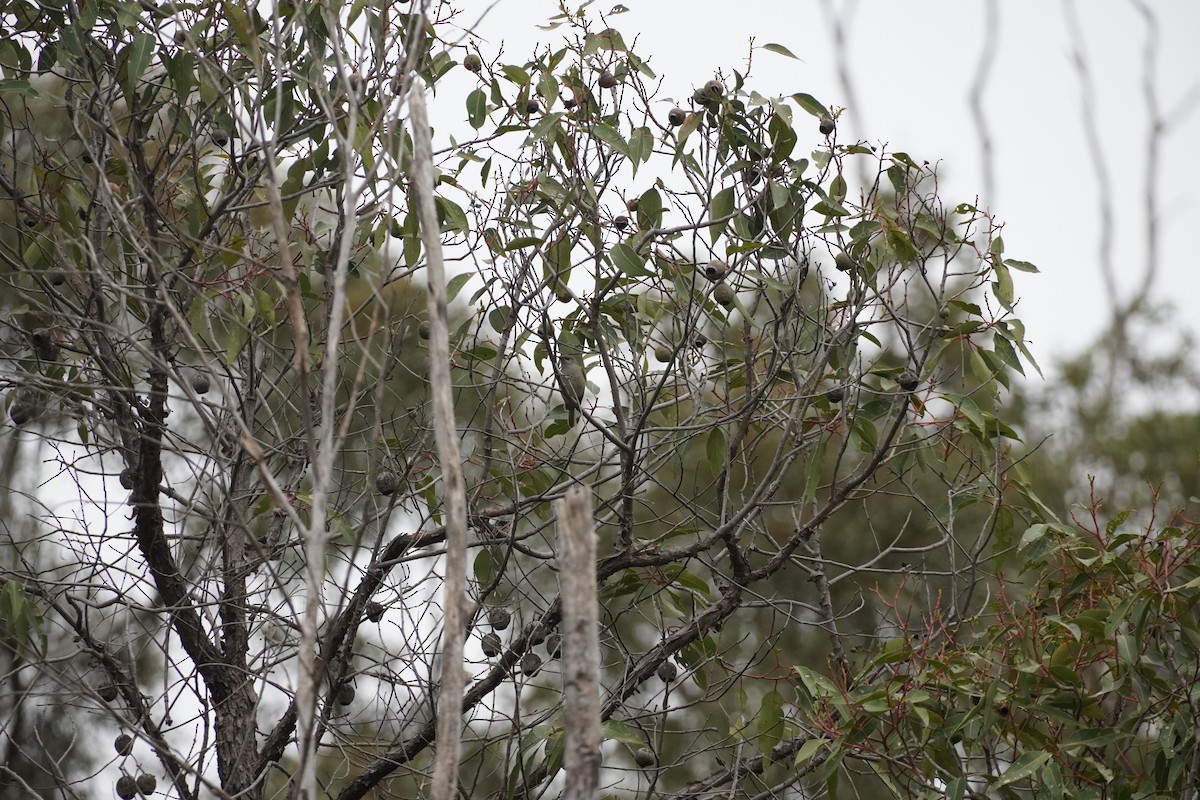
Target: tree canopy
{"type": "Point", "coordinates": [268, 462]}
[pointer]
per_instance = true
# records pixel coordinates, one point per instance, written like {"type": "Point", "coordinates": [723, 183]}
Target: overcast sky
{"type": "Point", "coordinates": [912, 63]}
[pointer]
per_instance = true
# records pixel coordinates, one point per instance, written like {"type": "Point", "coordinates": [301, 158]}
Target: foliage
{"type": "Point", "coordinates": [216, 332]}
{"type": "Point", "coordinates": [1084, 687]}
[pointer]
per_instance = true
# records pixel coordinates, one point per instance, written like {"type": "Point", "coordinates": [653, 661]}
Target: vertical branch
{"type": "Point", "coordinates": [1103, 180]}
{"type": "Point", "coordinates": [581, 645]}
{"type": "Point", "coordinates": [1153, 152]}
{"type": "Point", "coordinates": [987, 57]}
{"type": "Point", "coordinates": [453, 681]}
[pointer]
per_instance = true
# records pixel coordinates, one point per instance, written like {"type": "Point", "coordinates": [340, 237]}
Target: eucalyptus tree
{"type": "Point", "coordinates": [780, 385]}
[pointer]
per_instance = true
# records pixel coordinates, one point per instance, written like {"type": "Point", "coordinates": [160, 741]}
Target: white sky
{"type": "Point", "coordinates": [912, 64]}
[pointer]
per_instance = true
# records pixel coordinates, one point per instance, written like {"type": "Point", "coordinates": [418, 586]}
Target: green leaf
{"type": "Point", "coordinates": [768, 725]}
{"type": "Point", "coordinates": [515, 74]}
{"type": "Point", "coordinates": [721, 206]}
{"type": "Point", "coordinates": [546, 126]}
{"type": "Point", "coordinates": [455, 285]}
{"type": "Point", "coordinates": [547, 87]}
{"type": "Point", "coordinates": [902, 246]}
{"type": "Point", "coordinates": [715, 449]}
{"type": "Point", "coordinates": [139, 57]}
{"type": "Point", "coordinates": [1020, 266]}
{"type": "Point", "coordinates": [650, 210]}
{"type": "Point", "coordinates": [831, 208]}
{"type": "Point", "coordinates": [689, 127]}
{"type": "Point", "coordinates": [1022, 768]}
{"type": "Point", "coordinates": [483, 567]}
{"type": "Point", "coordinates": [1003, 286]}
{"type": "Point", "coordinates": [477, 108]}
{"type": "Point", "coordinates": [629, 261]}
{"type": "Point", "coordinates": [837, 188]}
{"type": "Point", "coordinates": [811, 105]}
{"type": "Point", "coordinates": [780, 49]}
{"type": "Point", "coordinates": [809, 749]}
{"type": "Point", "coordinates": [641, 146]}
{"type": "Point", "coordinates": [610, 136]}
{"type": "Point", "coordinates": [521, 242]}
{"type": "Point", "coordinates": [612, 729]}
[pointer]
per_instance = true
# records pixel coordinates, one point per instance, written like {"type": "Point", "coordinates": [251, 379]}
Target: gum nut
{"type": "Point", "coordinates": [676, 116]}
{"type": "Point", "coordinates": [716, 269]}
{"type": "Point", "coordinates": [200, 384]}
{"type": "Point", "coordinates": [607, 80]}
{"type": "Point", "coordinates": [147, 783]}
{"type": "Point", "coordinates": [662, 354]}
{"type": "Point", "coordinates": [127, 787]}
{"type": "Point", "coordinates": [532, 106]}
{"type": "Point", "coordinates": [827, 126]}
{"type": "Point", "coordinates": [843, 262]}
{"type": "Point", "coordinates": [473, 62]}
{"type": "Point", "coordinates": [568, 102]}
{"type": "Point", "coordinates": [423, 329]}
{"type": "Point", "coordinates": [530, 664]}
{"type": "Point", "coordinates": [499, 618]}
{"type": "Point", "coordinates": [621, 222]}
{"type": "Point", "coordinates": [667, 671]}
{"type": "Point", "coordinates": [835, 395]}
{"type": "Point", "coordinates": [907, 380]}
{"type": "Point", "coordinates": [554, 644]}
{"type": "Point", "coordinates": [713, 89]}
{"type": "Point", "coordinates": [700, 340]}
{"type": "Point", "coordinates": [386, 483]}
{"type": "Point", "coordinates": [107, 692]}
{"type": "Point", "coordinates": [374, 611]}
{"type": "Point", "coordinates": [644, 757]}
{"type": "Point", "coordinates": [123, 744]}
{"type": "Point", "coordinates": [723, 294]}
{"type": "Point", "coordinates": [491, 645]}
{"type": "Point", "coordinates": [20, 413]}
{"type": "Point", "coordinates": [56, 276]}
{"type": "Point", "coordinates": [345, 695]}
